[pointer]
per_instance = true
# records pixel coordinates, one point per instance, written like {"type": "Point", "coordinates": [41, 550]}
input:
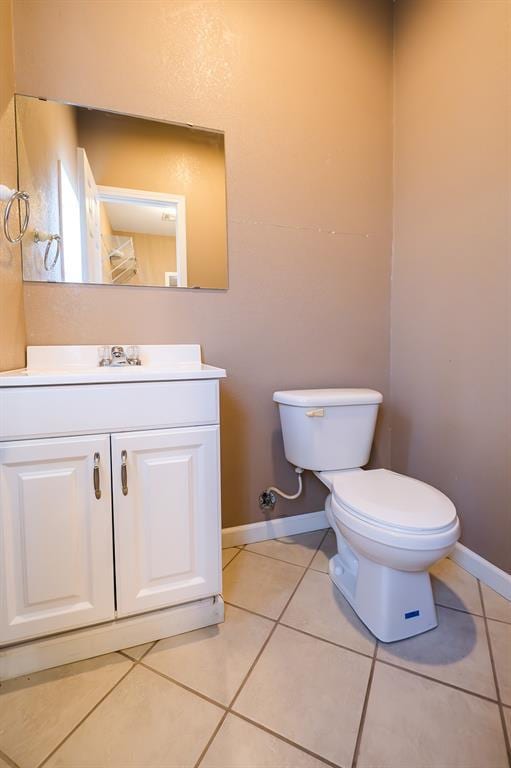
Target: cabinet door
{"type": "Point", "coordinates": [166, 517]}
{"type": "Point", "coordinates": [56, 556]}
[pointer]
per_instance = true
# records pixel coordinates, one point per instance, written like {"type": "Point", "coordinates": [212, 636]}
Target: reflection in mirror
{"type": "Point", "coordinates": [128, 201]}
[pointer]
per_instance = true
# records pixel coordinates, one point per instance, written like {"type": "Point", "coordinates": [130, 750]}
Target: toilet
{"type": "Point", "coordinates": [390, 528]}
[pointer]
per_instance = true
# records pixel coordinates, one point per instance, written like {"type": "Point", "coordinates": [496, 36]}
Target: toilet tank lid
{"type": "Point", "coordinates": [313, 398]}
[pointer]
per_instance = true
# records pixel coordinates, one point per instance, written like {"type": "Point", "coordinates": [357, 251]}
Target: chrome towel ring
{"type": "Point", "coordinates": [12, 195]}
{"type": "Point", "coordinates": [42, 237]}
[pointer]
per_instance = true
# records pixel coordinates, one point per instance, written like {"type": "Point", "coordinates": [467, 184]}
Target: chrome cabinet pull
{"type": "Point", "coordinates": [124, 473]}
{"type": "Point", "coordinates": [97, 488]}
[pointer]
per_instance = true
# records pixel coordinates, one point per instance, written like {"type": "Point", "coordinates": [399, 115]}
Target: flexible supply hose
{"type": "Point", "coordinates": [298, 471]}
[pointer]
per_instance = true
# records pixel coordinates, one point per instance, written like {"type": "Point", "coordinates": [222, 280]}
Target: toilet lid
{"type": "Point", "coordinates": [395, 501]}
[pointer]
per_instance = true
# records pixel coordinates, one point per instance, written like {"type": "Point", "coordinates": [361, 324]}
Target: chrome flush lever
{"type": "Point", "coordinates": [97, 488]}
{"type": "Point", "coordinates": [124, 473]}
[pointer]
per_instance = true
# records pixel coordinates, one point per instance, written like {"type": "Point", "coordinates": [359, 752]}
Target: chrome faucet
{"type": "Point", "coordinates": [118, 356]}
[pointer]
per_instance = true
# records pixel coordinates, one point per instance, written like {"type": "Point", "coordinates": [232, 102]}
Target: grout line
{"type": "Point", "coordinates": [258, 656]}
{"type": "Point", "coordinates": [96, 705]}
{"type": "Point", "coordinates": [358, 742]}
{"type": "Point", "coordinates": [271, 557]}
{"type": "Point", "coordinates": [232, 558]}
{"type": "Point", "coordinates": [459, 610]}
{"type": "Point", "coordinates": [495, 677]}
{"type": "Point", "coordinates": [185, 687]}
{"type": "Point", "coordinates": [472, 613]}
{"type": "Point", "coordinates": [437, 680]}
{"type": "Point", "coordinates": [330, 642]}
{"type": "Point", "coordinates": [267, 639]}
{"type": "Point", "coordinates": [367, 655]}
{"type": "Point", "coordinates": [316, 570]}
{"type": "Point", "coordinates": [211, 739]}
{"type": "Point", "coordinates": [248, 610]}
{"type": "Point", "coordinates": [10, 762]}
{"type": "Point", "coordinates": [285, 739]}
{"type": "Point", "coordinates": [123, 652]}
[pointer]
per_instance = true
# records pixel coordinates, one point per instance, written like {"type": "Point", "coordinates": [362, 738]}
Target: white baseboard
{"type": "Point", "coordinates": [482, 569]}
{"type": "Point", "coordinates": [274, 529]}
{"type": "Point", "coordinates": [79, 644]}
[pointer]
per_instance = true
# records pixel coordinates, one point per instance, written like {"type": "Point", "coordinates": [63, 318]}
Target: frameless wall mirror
{"type": "Point", "coordinates": [120, 200]}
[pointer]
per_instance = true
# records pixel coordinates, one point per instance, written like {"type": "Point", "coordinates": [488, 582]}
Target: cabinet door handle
{"type": "Point", "coordinates": [97, 488]}
{"type": "Point", "coordinates": [124, 473]}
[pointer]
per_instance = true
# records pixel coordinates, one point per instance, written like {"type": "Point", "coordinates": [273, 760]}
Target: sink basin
{"type": "Point", "coordinates": [47, 365]}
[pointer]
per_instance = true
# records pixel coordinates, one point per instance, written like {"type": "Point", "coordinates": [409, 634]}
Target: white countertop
{"type": "Point", "coordinates": [47, 366]}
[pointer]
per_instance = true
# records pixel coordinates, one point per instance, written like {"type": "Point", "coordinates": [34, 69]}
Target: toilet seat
{"type": "Point", "coordinates": [394, 509]}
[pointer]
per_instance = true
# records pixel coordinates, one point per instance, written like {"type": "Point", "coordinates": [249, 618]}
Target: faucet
{"type": "Point", "coordinates": [118, 356]}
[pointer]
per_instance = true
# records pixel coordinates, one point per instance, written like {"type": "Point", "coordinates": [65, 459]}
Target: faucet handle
{"type": "Point", "coordinates": [133, 355]}
{"type": "Point", "coordinates": [104, 356]}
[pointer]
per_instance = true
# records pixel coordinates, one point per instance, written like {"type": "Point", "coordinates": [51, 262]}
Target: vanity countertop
{"type": "Point", "coordinates": [47, 366]}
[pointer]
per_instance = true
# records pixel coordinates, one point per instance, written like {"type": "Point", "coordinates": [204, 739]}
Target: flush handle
{"type": "Point", "coordinates": [95, 476]}
{"type": "Point", "coordinates": [124, 473]}
{"type": "Point", "coordinates": [316, 412]}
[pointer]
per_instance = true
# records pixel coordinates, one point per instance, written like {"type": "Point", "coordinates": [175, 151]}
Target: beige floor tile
{"type": "Point", "coordinates": [146, 722]}
{"type": "Point", "coordinates": [260, 584]}
{"type": "Point", "coordinates": [500, 637]}
{"type": "Point", "coordinates": [239, 744]}
{"type": "Point", "coordinates": [228, 554]}
{"type": "Point", "coordinates": [299, 549]}
{"type": "Point", "coordinates": [415, 722]}
{"type": "Point", "coordinates": [455, 652]}
{"type": "Point", "coordinates": [324, 553]}
{"type": "Point", "coordinates": [4, 763]}
{"type": "Point", "coordinates": [38, 711]}
{"type": "Point", "coordinates": [319, 608]}
{"type": "Point", "coordinates": [309, 691]}
{"type": "Point", "coordinates": [455, 587]}
{"type": "Point", "coordinates": [496, 606]}
{"type": "Point", "coordinates": [137, 651]}
{"type": "Point", "coordinates": [213, 660]}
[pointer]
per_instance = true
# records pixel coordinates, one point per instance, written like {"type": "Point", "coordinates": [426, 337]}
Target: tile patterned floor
{"type": "Point", "coordinates": [292, 679]}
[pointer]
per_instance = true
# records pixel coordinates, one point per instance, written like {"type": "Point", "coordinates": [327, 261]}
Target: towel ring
{"type": "Point", "coordinates": [22, 197]}
{"type": "Point", "coordinates": [40, 237]}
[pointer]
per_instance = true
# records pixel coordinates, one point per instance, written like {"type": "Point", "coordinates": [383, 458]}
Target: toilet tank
{"type": "Point", "coordinates": [326, 429]}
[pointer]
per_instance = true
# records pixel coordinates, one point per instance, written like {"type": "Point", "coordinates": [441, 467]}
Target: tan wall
{"type": "Point", "coordinates": [156, 254]}
{"type": "Point", "coordinates": [46, 135]}
{"type": "Point", "coordinates": [303, 93]}
{"type": "Point", "coordinates": [451, 301]}
{"type": "Point", "coordinates": [12, 321]}
{"type": "Point", "coordinates": [128, 152]}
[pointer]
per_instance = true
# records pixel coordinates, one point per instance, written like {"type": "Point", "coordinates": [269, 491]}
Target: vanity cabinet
{"type": "Point", "coordinates": [56, 564]}
{"type": "Point", "coordinates": [58, 568]}
{"type": "Point", "coordinates": [110, 532]}
{"type": "Point", "coordinates": [165, 497]}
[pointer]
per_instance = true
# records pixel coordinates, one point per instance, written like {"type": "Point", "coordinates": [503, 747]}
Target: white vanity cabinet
{"type": "Point", "coordinates": [166, 524]}
{"type": "Point", "coordinates": [56, 564]}
{"type": "Point", "coordinates": [109, 507]}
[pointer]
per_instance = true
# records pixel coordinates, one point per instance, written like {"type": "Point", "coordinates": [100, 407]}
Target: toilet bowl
{"type": "Point", "coordinates": [390, 528]}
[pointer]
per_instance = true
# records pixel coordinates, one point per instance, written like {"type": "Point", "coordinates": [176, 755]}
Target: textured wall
{"type": "Point", "coordinates": [12, 321]}
{"type": "Point", "coordinates": [451, 298]}
{"type": "Point", "coordinates": [303, 93]}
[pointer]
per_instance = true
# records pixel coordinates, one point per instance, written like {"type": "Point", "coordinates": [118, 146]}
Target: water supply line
{"type": "Point", "coordinates": [267, 499]}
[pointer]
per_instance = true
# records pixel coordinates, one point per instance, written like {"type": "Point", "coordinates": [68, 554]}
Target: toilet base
{"type": "Point", "coordinates": [392, 604]}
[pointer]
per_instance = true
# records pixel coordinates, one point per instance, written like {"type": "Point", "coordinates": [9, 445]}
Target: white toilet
{"type": "Point", "coordinates": [390, 528]}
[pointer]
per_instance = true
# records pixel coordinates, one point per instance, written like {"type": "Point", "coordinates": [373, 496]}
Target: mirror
{"type": "Point", "coordinates": [120, 200]}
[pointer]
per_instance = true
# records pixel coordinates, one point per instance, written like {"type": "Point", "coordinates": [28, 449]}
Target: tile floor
{"type": "Point", "coordinates": [292, 679]}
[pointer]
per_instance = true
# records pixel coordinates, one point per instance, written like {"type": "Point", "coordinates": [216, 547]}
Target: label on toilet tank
{"type": "Point", "coordinates": [412, 614]}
